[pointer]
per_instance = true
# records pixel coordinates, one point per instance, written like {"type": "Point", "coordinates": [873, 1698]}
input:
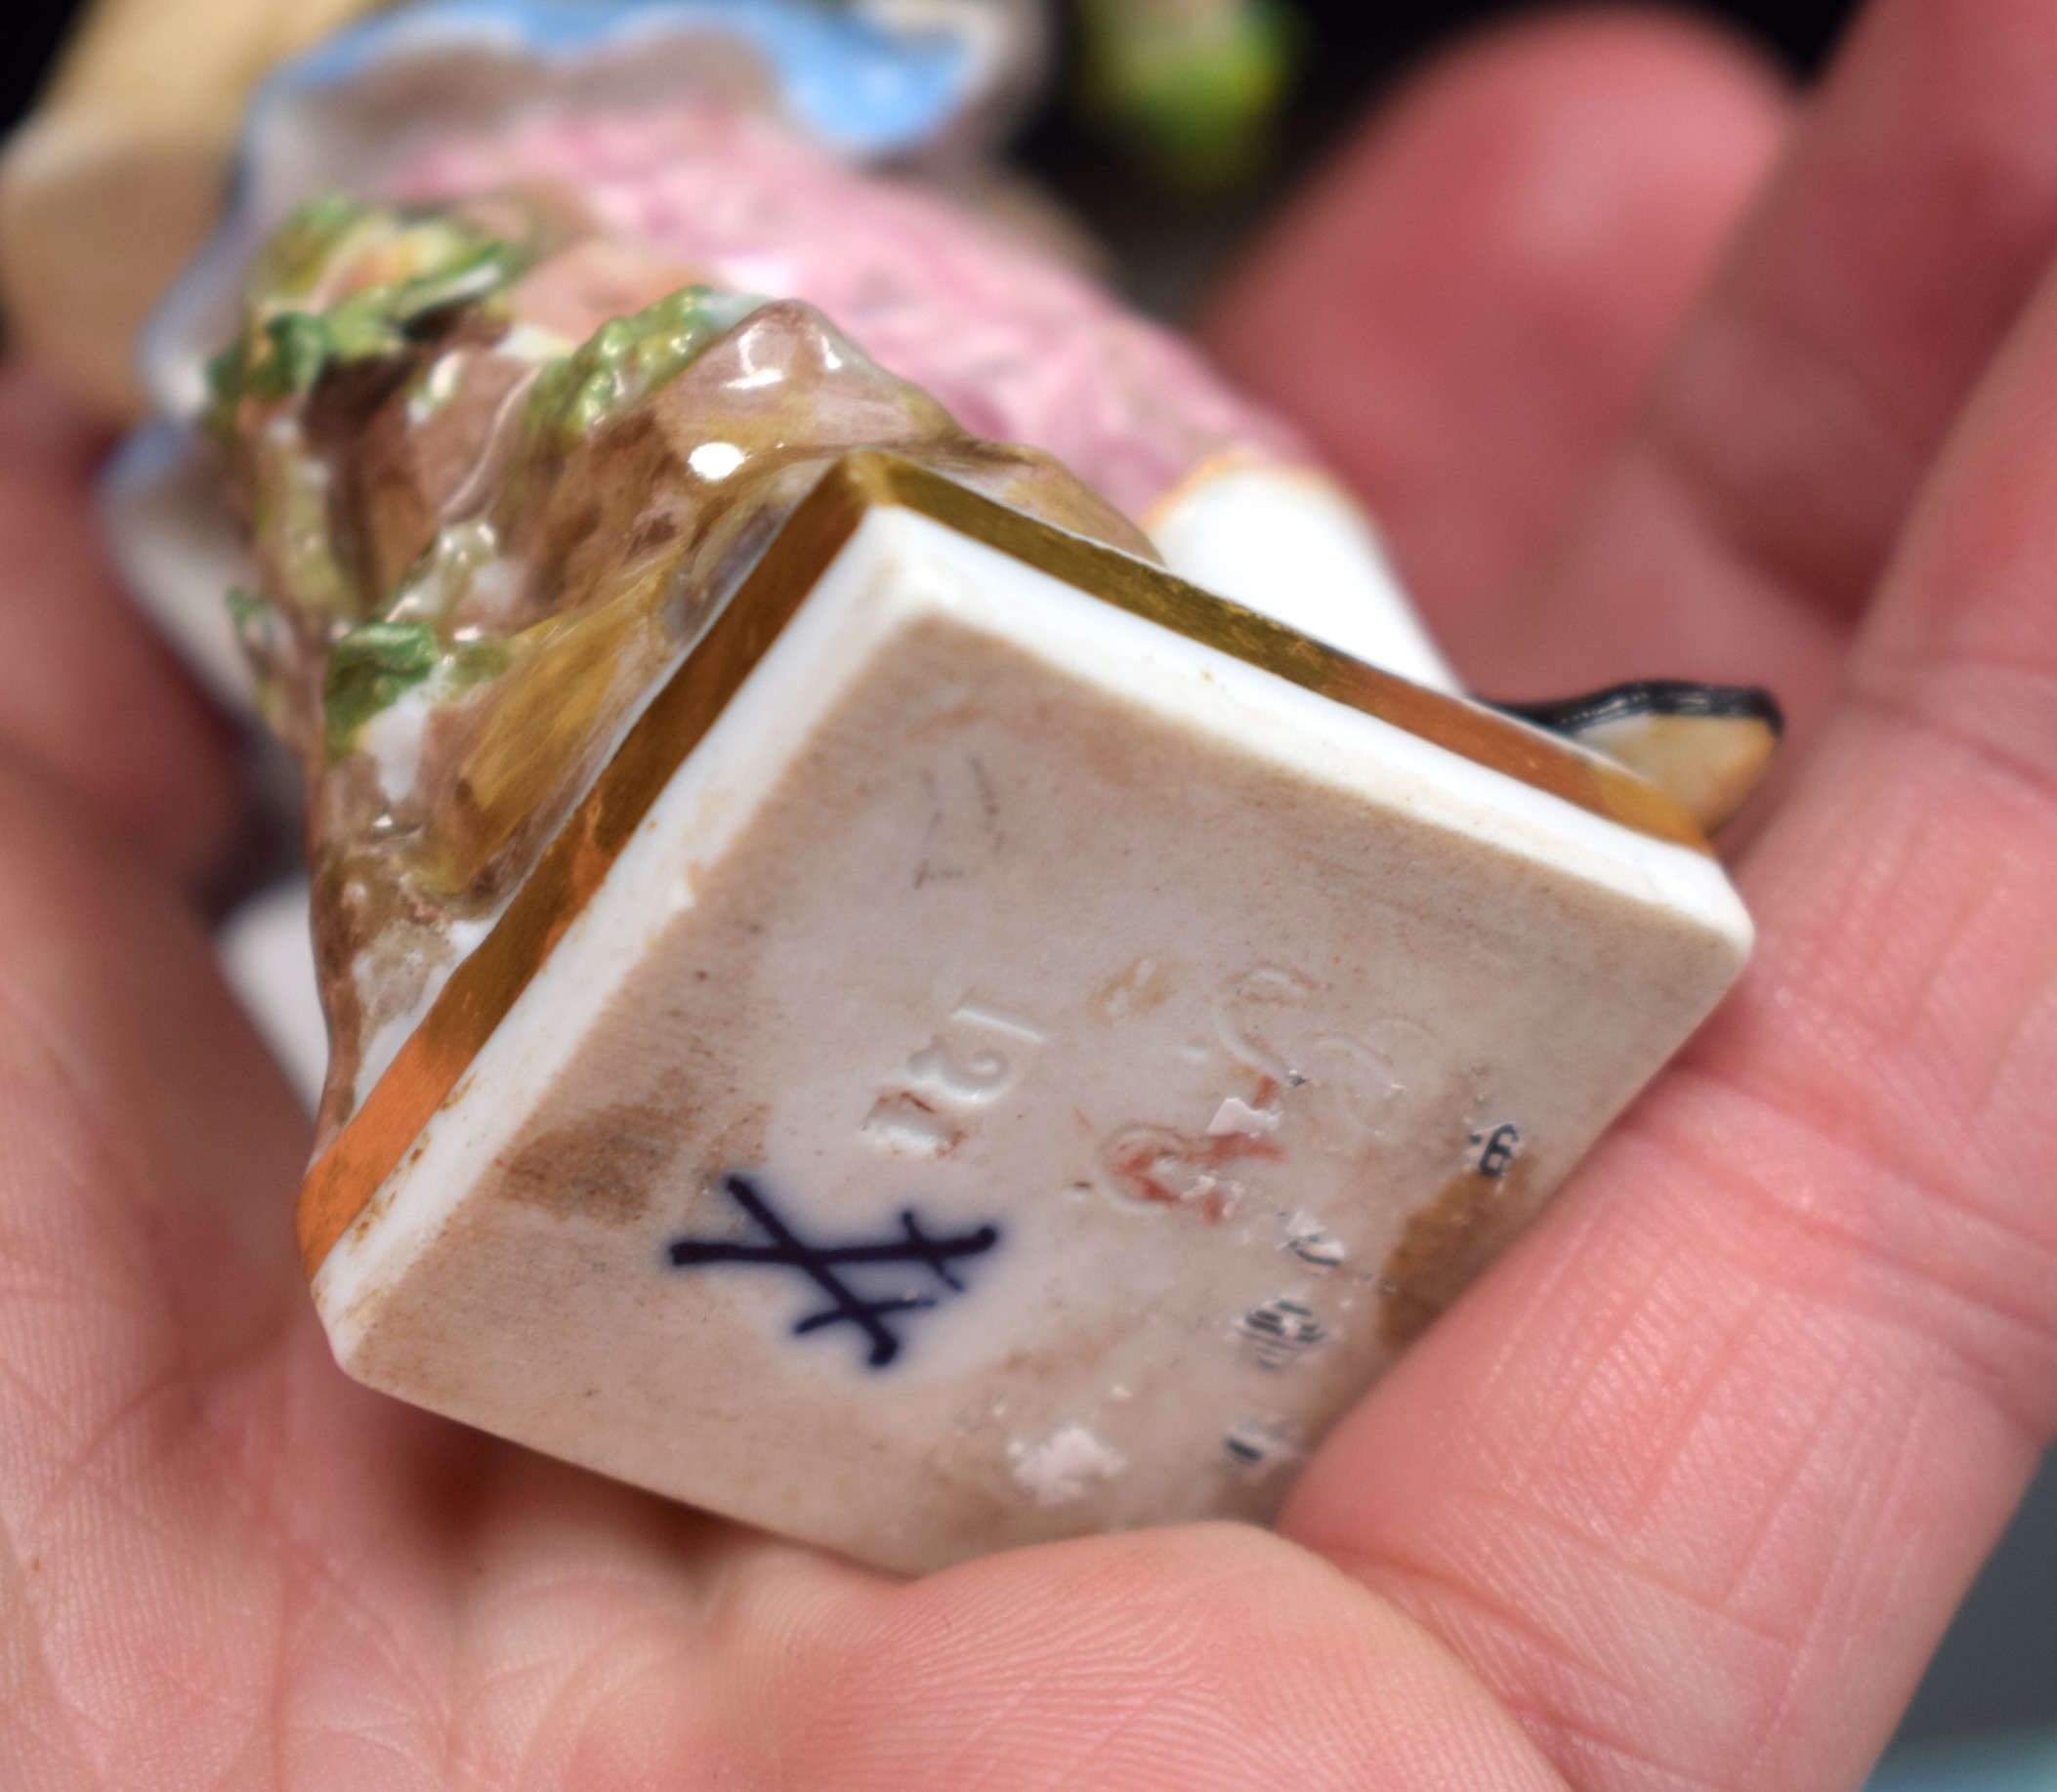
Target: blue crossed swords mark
{"type": "Point", "coordinates": [784, 1248]}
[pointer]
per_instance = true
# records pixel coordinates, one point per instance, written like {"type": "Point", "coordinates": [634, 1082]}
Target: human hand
{"type": "Point", "coordinates": [1683, 1492]}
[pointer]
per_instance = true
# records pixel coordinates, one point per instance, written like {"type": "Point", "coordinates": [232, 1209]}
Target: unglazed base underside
{"type": "Point", "coordinates": [1026, 1076]}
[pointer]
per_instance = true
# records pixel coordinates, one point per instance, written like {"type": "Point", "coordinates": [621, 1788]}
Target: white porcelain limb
{"type": "Point", "coordinates": [1292, 544]}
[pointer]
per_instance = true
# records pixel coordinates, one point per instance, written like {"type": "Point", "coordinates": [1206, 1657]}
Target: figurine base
{"type": "Point", "coordinates": [1027, 1070]}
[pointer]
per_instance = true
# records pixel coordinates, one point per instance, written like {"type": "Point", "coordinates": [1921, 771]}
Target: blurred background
{"type": "Point", "coordinates": [1106, 139]}
{"type": "Point", "coordinates": [1108, 143]}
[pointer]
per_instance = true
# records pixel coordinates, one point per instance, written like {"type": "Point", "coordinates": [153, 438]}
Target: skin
{"type": "Point", "coordinates": [1648, 366]}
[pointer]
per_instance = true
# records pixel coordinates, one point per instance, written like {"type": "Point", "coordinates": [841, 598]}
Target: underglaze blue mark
{"type": "Point", "coordinates": [783, 1248]}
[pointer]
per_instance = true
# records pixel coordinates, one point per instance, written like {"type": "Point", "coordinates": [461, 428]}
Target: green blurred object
{"type": "Point", "coordinates": [1194, 87]}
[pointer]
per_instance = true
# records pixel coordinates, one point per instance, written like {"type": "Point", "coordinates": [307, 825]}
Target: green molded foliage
{"type": "Point", "coordinates": [297, 256]}
{"type": "Point", "coordinates": [340, 282]}
{"type": "Point", "coordinates": [627, 358]}
{"type": "Point", "coordinates": [343, 283]}
{"type": "Point", "coordinates": [377, 663]}
{"type": "Point", "coordinates": [369, 669]}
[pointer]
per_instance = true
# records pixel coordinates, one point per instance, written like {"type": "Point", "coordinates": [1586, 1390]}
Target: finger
{"type": "Point", "coordinates": [1696, 1480]}
{"type": "Point", "coordinates": [148, 1148]}
{"type": "Point", "coordinates": [1466, 308]}
{"type": "Point", "coordinates": [87, 691]}
{"type": "Point", "coordinates": [149, 1153]}
{"type": "Point", "coordinates": [580, 1635]}
{"type": "Point", "coordinates": [1741, 531]}
{"type": "Point", "coordinates": [1175, 1661]}
{"type": "Point", "coordinates": [1171, 1662]}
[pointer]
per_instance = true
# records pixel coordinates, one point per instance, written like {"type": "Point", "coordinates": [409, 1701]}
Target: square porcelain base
{"type": "Point", "coordinates": [1026, 1073]}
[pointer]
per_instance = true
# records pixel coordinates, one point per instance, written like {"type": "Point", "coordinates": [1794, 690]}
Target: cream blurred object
{"type": "Point", "coordinates": [120, 175]}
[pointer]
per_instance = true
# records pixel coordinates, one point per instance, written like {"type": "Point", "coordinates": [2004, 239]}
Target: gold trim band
{"type": "Point", "coordinates": [482, 991]}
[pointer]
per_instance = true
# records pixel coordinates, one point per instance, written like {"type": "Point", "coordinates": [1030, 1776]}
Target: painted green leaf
{"type": "Point", "coordinates": [369, 669]}
{"type": "Point", "coordinates": [627, 358]}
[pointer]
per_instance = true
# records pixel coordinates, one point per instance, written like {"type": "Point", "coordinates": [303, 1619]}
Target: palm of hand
{"type": "Point", "coordinates": [1681, 1495]}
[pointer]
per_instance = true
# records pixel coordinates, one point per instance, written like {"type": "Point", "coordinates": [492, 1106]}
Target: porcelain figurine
{"type": "Point", "coordinates": [919, 950]}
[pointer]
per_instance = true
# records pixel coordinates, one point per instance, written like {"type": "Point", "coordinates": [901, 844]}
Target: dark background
{"type": "Point", "coordinates": [1358, 42]}
{"type": "Point", "coordinates": [1999, 1668]}
{"type": "Point", "coordinates": [1167, 249]}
